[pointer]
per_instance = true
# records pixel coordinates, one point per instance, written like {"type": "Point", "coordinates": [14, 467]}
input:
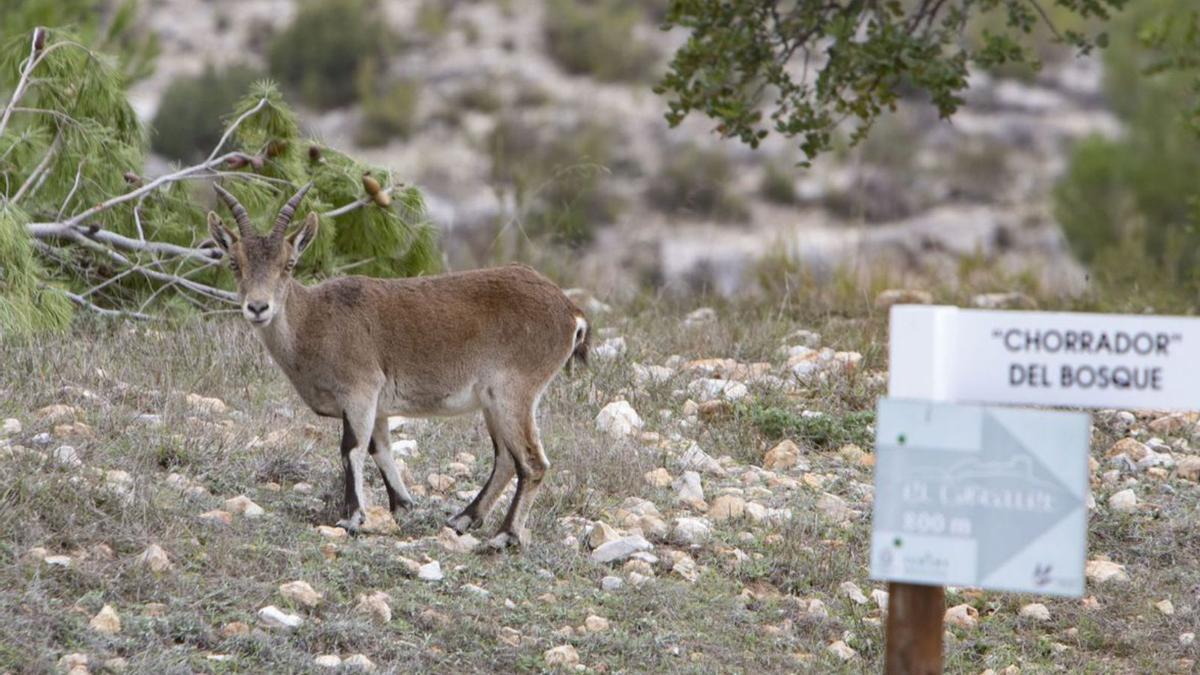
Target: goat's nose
{"type": "Point", "coordinates": [258, 308]}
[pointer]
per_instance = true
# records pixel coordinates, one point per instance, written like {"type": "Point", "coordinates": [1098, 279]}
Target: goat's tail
{"type": "Point", "coordinates": [583, 334]}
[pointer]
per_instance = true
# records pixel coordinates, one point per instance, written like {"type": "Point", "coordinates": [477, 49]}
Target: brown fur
{"type": "Point", "coordinates": [362, 349]}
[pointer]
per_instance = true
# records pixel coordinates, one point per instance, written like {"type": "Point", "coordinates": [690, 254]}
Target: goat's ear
{"type": "Point", "coordinates": [304, 236]}
{"type": "Point", "coordinates": [223, 236]}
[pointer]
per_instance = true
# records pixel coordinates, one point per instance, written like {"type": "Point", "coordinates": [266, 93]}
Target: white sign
{"type": "Point", "coordinates": [987, 497]}
{"type": "Point", "coordinates": [1044, 358]}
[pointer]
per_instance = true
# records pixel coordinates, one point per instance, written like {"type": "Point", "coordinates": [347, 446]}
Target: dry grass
{"type": "Point", "coordinates": [734, 618]}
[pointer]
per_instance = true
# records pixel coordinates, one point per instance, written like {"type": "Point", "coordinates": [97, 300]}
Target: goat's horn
{"type": "Point", "coordinates": [235, 207]}
{"type": "Point", "coordinates": [289, 209]}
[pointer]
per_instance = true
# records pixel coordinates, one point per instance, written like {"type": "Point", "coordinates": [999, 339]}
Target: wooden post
{"type": "Point", "coordinates": [913, 644]}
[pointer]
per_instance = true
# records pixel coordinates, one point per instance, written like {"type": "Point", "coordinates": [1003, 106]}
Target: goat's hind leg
{"type": "Point", "coordinates": [520, 436]}
{"type": "Point", "coordinates": [381, 451]}
{"type": "Point", "coordinates": [502, 473]}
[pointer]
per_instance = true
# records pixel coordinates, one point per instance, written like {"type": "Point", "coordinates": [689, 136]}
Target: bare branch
{"type": "Point", "coordinates": [84, 302]}
{"type": "Point", "coordinates": [228, 132]}
{"type": "Point", "coordinates": [347, 208]}
{"type": "Point", "coordinates": [153, 185]}
{"type": "Point", "coordinates": [30, 63]}
{"type": "Point", "coordinates": [38, 171]}
{"type": "Point", "coordinates": [74, 187]}
{"type": "Point", "coordinates": [93, 233]}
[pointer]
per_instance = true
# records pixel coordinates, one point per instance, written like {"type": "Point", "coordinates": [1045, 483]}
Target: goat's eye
{"type": "Point", "coordinates": [233, 266]}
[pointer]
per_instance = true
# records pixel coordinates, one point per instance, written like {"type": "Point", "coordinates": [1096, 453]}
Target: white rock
{"type": "Point", "coordinates": [65, 455]}
{"type": "Point", "coordinates": [404, 447]}
{"type": "Point", "coordinates": [10, 427]}
{"type": "Point", "coordinates": [106, 621]}
{"type": "Point", "coordinates": [562, 655]}
{"type": "Point", "coordinates": [376, 604]}
{"type": "Point", "coordinates": [476, 590]}
{"type": "Point", "coordinates": [359, 661]}
{"type": "Point", "coordinates": [696, 459]}
{"type": "Point", "coordinates": [962, 616]}
{"type": "Point", "coordinates": [430, 571]}
{"type": "Point", "coordinates": [1186, 639]}
{"type": "Point", "coordinates": [243, 505]}
{"type": "Point", "coordinates": [1124, 501]}
{"type": "Point", "coordinates": [852, 591]}
{"type": "Point", "coordinates": [842, 650]}
{"type": "Point", "coordinates": [616, 551]}
{"type": "Point", "coordinates": [688, 487]}
{"type": "Point", "coordinates": [596, 624]}
{"type": "Point", "coordinates": [1165, 607]}
{"type": "Point", "coordinates": [57, 560]}
{"type": "Point", "coordinates": [690, 531]}
{"type": "Point", "coordinates": [1153, 459]}
{"type": "Point", "coordinates": [618, 419]}
{"type": "Point", "coordinates": [611, 583]}
{"type": "Point", "coordinates": [814, 609]}
{"type": "Point", "coordinates": [328, 661]}
{"type": "Point", "coordinates": [1036, 611]}
{"type": "Point", "coordinates": [643, 375]}
{"type": "Point", "coordinates": [1105, 571]}
{"type": "Point", "coordinates": [301, 592]}
{"type": "Point", "coordinates": [274, 617]}
{"type": "Point", "coordinates": [709, 389]}
{"type": "Point", "coordinates": [602, 533]}
{"type": "Point", "coordinates": [880, 597]}
{"type": "Point", "coordinates": [154, 558]}
{"type": "Point", "coordinates": [203, 404]}
{"type": "Point", "coordinates": [609, 350]}
{"type": "Point", "coordinates": [700, 317]}
{"type": "Point", "coordinates": [835, 507]}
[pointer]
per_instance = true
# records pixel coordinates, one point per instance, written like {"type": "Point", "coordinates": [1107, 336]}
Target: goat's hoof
{"type": "Point", "coordinates": [351, 525]}
{"type": "Point", "coordinates": [460, 523]}
{"type": "Point", "coordinates": [505, 540]}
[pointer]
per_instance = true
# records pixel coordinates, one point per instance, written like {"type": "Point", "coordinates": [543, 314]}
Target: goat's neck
{"type": "Point", "coordinates": [280, 335]}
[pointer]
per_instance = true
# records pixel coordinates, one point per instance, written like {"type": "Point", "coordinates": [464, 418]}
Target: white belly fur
{"type": "Point", "coordinates": [394, 401]}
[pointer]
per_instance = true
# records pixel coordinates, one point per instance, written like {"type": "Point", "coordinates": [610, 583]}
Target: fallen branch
{"type": "Point", "coordinates": [84, 302]}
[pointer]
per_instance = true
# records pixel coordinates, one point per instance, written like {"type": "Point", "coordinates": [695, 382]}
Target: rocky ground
{"type": "Point", "coordinates": [166, 502]}
{"type": "Point", "coordinates": [916, 198]}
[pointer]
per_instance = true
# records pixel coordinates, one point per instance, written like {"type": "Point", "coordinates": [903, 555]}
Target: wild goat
{"type": "Point", "coordinates": [362, 349]}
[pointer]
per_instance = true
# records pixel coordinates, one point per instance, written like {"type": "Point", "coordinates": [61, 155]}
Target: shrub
{"type": "Point", "coordinates": [779, 184]}
{"type": "Point", "coordinates": [319, 55]}
{"type": "Point", "coordinates": [560, 182]}
{"type": "Point", "coordinates": [480, 97]}
{"type": "Point", "coordinates": [188, 123]}
{"type": "Point", "coordinates": [823, 432]}
{"type": "Point", "coordinates": [697, 181]}
{"type": "Point", "coordinates": [1131, 204]}
{"type": "Point", "coordinates": [596, 38]}
{"type": "Point", "coordinates": [389, 110]}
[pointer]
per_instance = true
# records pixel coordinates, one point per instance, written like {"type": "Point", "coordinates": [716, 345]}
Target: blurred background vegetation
{"type": "Point", "coordinates": [535, 129]}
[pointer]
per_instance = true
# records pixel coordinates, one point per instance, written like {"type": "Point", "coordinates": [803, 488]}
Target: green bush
{"type": "Point", "coordinates": [596, 38]}
{"type": "Point", "coordinates": [824, 432]}
{"type": "Point", "coordinates": [320, 54]}
{"type": "Point", "coordinates": [697, 181]}
{"type": "Point", "coordinates": [389, 109]}
{"type": "Point", "coordinates": [1132, 203]}
{"type": "Point", "coordinates": [779, 184]}
{"type": "Point", "coordinates": [559, 182]}
{"type": "Point", "coordinates": [188, 123]}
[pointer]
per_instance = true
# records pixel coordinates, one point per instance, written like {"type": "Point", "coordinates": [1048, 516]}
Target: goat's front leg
{"type": "Point", "coordinates": [381, 451]}
{"type": "Point", "coordinates": [358, 421]}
